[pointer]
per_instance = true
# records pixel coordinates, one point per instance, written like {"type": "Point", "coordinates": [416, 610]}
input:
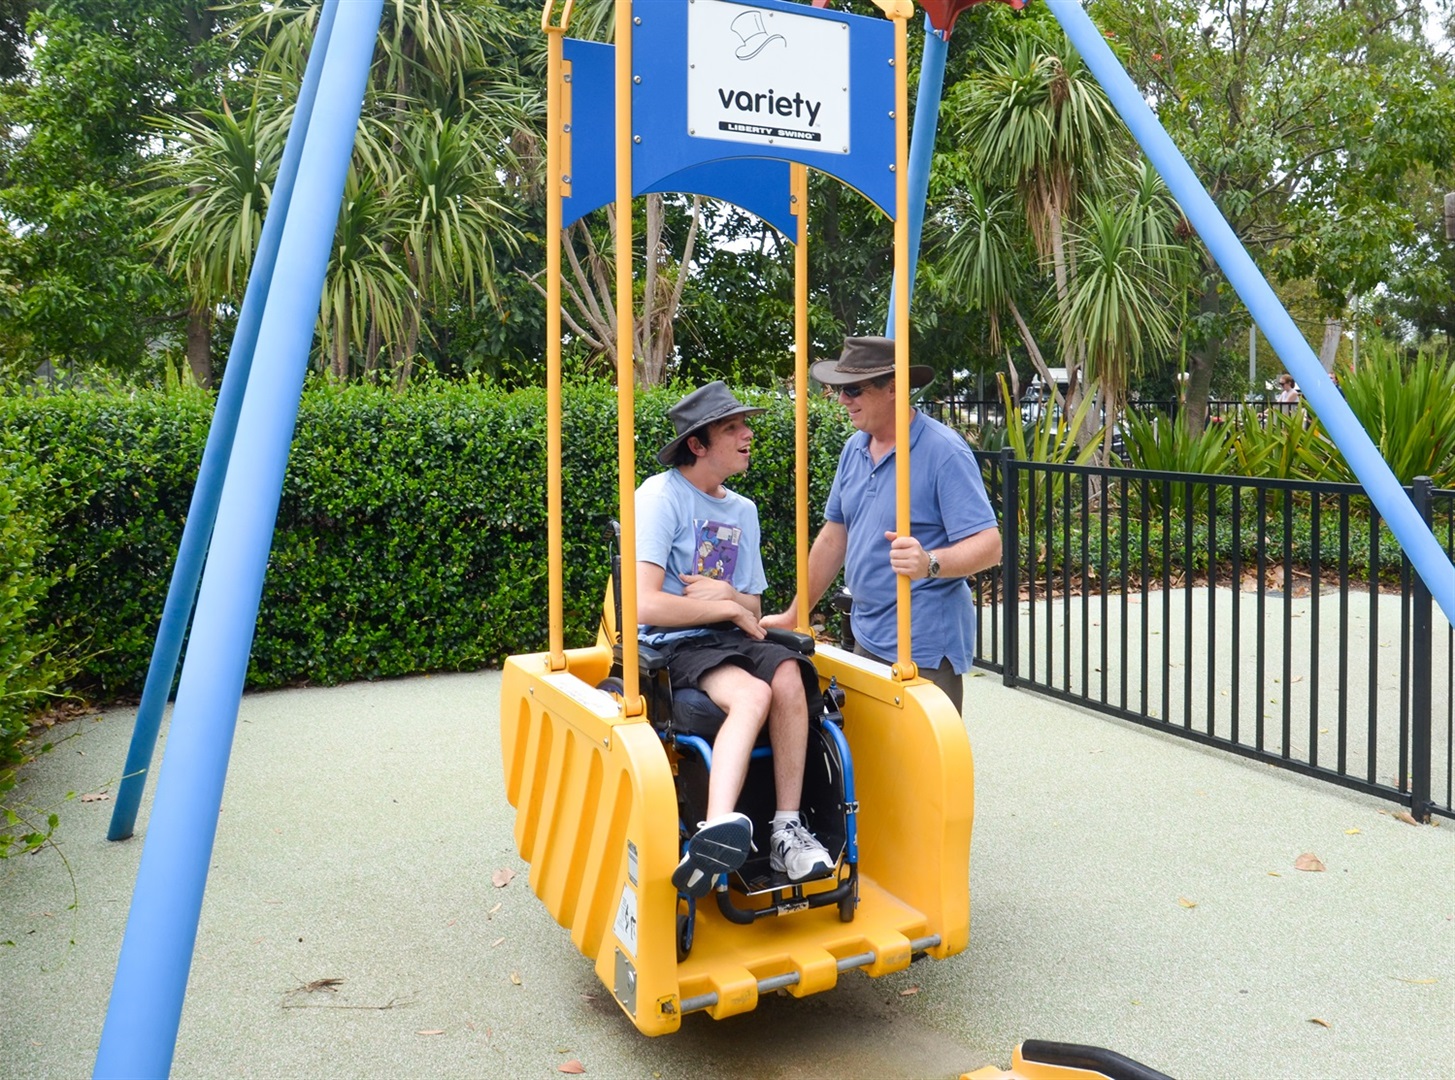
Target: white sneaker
{"type": "Point", "coordinates": [794, 851]}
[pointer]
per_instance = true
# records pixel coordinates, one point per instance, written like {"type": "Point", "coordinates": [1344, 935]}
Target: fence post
{"type": "Point", "coordinates": [1010, 540]}
{"type": "Point", "coordinates": [1421, 675]}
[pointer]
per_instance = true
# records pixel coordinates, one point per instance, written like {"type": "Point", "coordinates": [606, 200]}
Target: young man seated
{"type": "Point", "coordinates": [699, 583]}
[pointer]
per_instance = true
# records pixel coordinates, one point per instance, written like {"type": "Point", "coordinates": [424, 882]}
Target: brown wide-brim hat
{"type": "Point", "coordinates": [866, 358]}
{"type": "Point", "coordinates": [705, 405]}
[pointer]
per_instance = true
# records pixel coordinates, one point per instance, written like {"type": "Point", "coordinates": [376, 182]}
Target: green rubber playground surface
{"type": "Point", "coordinates": [367, 916]}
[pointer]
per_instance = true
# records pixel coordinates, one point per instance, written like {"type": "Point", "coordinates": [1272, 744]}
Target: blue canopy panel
{"type": "Point", "coordinates": [758, 185]}
{"type": "Point", "coordinates": [748, 82]}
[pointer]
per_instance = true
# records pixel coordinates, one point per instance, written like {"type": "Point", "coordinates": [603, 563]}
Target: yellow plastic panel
{"type": "Point", "coordinates": [915, 781]}
{"type": "Point", "coordinates": [596, 817]}
{"type": "Point", "coordinates": [591, 788]}
{"type": "Point", "coordinates": [1021, 1069]}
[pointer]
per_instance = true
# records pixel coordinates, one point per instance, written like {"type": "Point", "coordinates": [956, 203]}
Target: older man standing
{"type": "Point", "coordinates": [953, 531]}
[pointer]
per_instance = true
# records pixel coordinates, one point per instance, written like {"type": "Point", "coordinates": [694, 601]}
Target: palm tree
{"type": "Point", "coordinates": [367, 301]}
{"type": "Point", "coordinates": [1038, 123]}
{"type": "Point", "coordinates": [985, 236]}
{"type": "Point", "coordinates": [447, 198]}
{"type": "Point", "coordinates": [427, 203]}
{"type": "Point", "coordinates": [214, 190]}
{"type": "Point", "coordinates": [1117, 303]}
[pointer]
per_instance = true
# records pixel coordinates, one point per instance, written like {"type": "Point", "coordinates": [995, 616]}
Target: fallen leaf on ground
{"type": "Point", "coordinates": [1351, 832]}
{"type": "Point", "coordinates": [908, 991]}
{"type": "Point", "coordinates": [572, 1066]}
{"type": "Point", "coordinates": [431, 1031]}
{"type": "Point", "coordinates": [1414, 982]}
{"type": "Point", "coordinates": [491, 913]}
{"type": "Point", "coordinates": [1308, 861]}
{"type": "Point", "coordinates": [1274, 873]}
{"type": "Point", "coordinates": [1318, 1020]}
{"type": "Point", "coordinates": [1185, 902]}
{"type": "Point", "coordinates": [331, 985]}
{"type": "Point", "coordinates": [501, 877]}
{"type": "Point", "coordinates": [1406, 817]}
{"type": "Point", "coordinates": [515, 977]}
{"type": "Point", "coordinates": [95, 796]}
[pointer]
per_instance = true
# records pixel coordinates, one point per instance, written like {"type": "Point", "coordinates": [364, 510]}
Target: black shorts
{"type": "Point", "coordinates": [689, 659]}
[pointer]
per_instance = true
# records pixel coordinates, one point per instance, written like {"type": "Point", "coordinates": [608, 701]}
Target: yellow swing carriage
{"type": "Point", "coordinates": [594, 775]}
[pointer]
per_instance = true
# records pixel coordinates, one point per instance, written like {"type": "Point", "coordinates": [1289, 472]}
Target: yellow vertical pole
{"type": "Point", "coordinates": [798, 187]}
{"type": "Point", "coordinates": [632, 704]}
{"type": "Point", "coordinates": [905, 669]}
{"type": "Point", "coordinates": [556, 190]}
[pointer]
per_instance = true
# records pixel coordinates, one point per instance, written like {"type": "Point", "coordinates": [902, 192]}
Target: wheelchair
{"type": "Point", "coordinates": [687, 721]}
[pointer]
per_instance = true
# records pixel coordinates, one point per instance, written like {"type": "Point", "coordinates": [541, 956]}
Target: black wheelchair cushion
{"type": "Point", "coordinates": [694, 713]}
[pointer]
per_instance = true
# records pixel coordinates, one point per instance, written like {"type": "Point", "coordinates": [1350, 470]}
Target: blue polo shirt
{"type": "Point", "coordinates": [947, 503]}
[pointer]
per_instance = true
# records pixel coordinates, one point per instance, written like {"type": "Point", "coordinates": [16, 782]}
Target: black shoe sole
{"type": "Point", "coordinates": [717, 849]}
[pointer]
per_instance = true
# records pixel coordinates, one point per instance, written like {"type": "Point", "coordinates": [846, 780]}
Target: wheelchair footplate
{"type": "Point", "coordinates": [756, 879]}
{"type": "Point", "coordinates": [756, 876]}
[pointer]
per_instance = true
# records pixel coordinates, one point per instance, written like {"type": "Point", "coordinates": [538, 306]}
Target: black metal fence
{"type": "Point", "coordinates": [965, 413]}
{"type": "Point", "coordinates": [1275, 619]}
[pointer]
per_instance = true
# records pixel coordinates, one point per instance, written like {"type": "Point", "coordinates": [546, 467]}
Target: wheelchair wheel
{"type": "Point", "coordinates": [684, 936]}
{"type": "Point", "coordinates": [613, 686]}
{"type": "Point", "coordinates": [846, 908]}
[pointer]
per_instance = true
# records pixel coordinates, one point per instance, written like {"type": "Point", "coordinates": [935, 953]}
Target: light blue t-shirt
{"type": "Point", "coordinates": [686, 531]}
{"type": "Point", "coordinates": [947, 503]}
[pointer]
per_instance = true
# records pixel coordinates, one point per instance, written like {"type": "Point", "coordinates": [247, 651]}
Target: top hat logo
{"type": "Point", "coordinates": [749, 28]}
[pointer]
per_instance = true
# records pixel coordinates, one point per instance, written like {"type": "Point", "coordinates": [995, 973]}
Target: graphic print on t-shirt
{"type": "Point", "coordinates": [716, 554]}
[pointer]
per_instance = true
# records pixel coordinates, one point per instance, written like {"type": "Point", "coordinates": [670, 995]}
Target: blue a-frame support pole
{"type": "Point", "coordinates": [202, 514]}
{"type": "Point", "coordinates": [922, 150]}
{"type": "Point", "coordinates": [1278, 327]}
{"type": "Point", "coordinates": [142, 1019]}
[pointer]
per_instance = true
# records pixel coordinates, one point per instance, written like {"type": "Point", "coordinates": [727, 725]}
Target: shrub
{"type": "Point", "coordinates": [31, 668]}
{"type": "Point", "coordinates": [411, 534]}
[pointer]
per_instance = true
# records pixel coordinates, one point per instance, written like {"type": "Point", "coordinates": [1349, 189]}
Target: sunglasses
{"type": "Point", "coordinates": [853, 390]}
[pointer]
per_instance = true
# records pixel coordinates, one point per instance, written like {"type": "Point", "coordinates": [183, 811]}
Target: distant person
{"type": "Point", "coordinates": [954, 530]}
{"type": "Point", "coordinates": [1287, 391]}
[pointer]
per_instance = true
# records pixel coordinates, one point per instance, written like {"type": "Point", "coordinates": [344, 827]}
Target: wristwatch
{"type": "Point", "coordinates": [934, 570]}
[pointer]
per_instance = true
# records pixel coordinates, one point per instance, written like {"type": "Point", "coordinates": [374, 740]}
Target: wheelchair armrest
{"type": "Point", "coordinates": [649, 660]}
{"type": "Point", "coordinates": [792, 639]}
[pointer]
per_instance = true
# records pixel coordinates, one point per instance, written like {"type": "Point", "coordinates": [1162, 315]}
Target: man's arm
{"type": "Point", "coordinates": [964, 558]}
{"type": "Point", "coordinates": [825, 560]}
{"type": "Point", "coordinates": [707, 601]}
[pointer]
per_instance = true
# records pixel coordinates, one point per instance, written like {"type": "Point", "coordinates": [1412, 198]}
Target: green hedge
{"type": "Point", "coordinates": [411, 535]}
{"type": "Point", "coordinates": [32, 665]}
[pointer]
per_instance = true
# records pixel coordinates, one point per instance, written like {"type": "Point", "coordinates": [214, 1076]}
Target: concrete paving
{"type": "Point", "coordinates": [1128, 890]}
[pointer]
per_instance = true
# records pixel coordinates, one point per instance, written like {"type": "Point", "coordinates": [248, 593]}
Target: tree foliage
{"type": "Point", "coordinates": [1307, 121]}
{"type": "Point", "coordinates": [141, 142]}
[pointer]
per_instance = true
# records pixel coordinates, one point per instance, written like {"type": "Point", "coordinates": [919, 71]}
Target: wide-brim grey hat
{"type": "Point", "coordinates": [866, 358]}
{"type": "Point", "coordinates": [705, 405]}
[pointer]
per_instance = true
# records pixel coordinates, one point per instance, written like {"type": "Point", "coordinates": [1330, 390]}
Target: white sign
{"type": "Point", "coordinates": [767, 77]}
{"type": "Point", "coordinates": [625, 926]}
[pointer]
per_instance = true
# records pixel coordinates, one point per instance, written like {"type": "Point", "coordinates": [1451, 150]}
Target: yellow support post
{"type": "Point", "coordinates": [798, 186]}
{"type": "Point", "coordinates": [905, 669]}
{"type": "Point", "coordinates": [557, 170]}
{"type": "Point", "coordinates": [632, 703]}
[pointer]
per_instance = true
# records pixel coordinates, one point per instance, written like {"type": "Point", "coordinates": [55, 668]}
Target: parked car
{"type": "Point", "coordinates": [1038, 397]}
